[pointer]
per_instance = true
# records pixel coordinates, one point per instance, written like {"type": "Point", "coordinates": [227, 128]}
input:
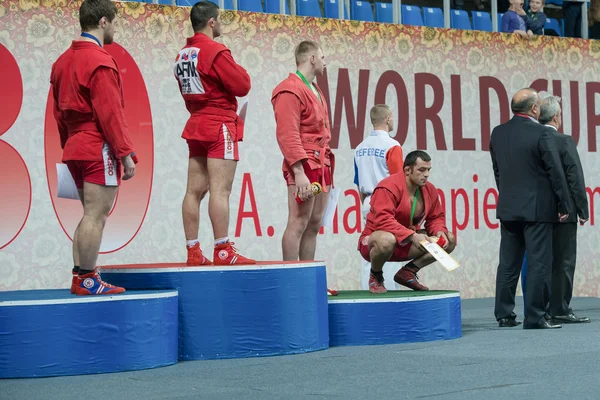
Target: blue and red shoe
{"type": "Point", "coordinates": [92, 284]}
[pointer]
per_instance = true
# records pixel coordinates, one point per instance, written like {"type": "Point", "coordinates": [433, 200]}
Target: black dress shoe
{"type": "Point", "coordinates": [570, 319]}
{"type": "Point", "coordinates": [508, 323]}
{"type": "Point", "coordinates": [547, 317]}
{"type": "Point", "coordinates": [543, 325]}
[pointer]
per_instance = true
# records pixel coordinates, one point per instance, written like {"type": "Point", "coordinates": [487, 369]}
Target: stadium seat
{"type": "Point", "coordinates": [482, 21]}
{"type": "Point", "coordinates": [500, 21]}
{"type": "Point", "coordinates": [411, 15]}
{"type": "Point", "coordinates": [552, 24]}
{"type": "Point", "coordinates": [384, 12]}
{"type": "Point", "coordinates": [557, 2]}
{"type": "Point", "coordinates": [272, 7]}
{"type": "Point", "coordinates": [362, 11]}
{"type": "Point", "coordinates": [227, 4]}
{"type": "Point", "coordinates": [433, 17]}
{"type": "Point", "coordinates": [167, 2]}
{"type": "Point", "coordinates": [331, 9]}
{"type": "Point", "coordinates": [250, 5]}
{"type": "Point", "coordinates": [308, 8]}
{"type": "Point", "coordinates": [459, 19]}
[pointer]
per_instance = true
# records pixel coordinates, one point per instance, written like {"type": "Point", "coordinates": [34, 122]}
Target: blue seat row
{"type": "Point", "coordinates": [362, 11]}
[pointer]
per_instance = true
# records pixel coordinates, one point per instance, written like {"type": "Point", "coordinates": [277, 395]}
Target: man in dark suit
{"type": "Point", "coordinates": [532, 196]}
{"type": "Point", "coordinates": [565, 233]}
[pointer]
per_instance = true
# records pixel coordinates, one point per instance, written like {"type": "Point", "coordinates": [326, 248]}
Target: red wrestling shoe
{"type": "Point", "coordinates": [226, 254]}
{"type": "Point", "coordinates": [74, 281]}
{"type": "Point", "coordinates": [407, 276]}
{"type": "Point", "coordinates": [376, 286]}
{"type": "Point", "coordinates": [92, 284]}
{"type": "Point", "coordinates": [196, 256]}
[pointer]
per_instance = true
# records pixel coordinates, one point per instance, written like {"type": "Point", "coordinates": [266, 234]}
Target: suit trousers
{"type": "Point", "coordinates": [516, 237]}
{"type": "Point", "coordinates": [563, 267]}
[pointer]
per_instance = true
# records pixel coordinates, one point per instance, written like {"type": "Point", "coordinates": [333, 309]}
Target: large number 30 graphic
{"type": "Point", "coordinates": [15, 198]}
{"type": "Point", "coordinates": [133, 198]}
{"type": "Point", "coordinates": [132, 201]}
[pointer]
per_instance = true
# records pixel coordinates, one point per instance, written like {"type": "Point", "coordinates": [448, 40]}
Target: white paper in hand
{"type": "Point", "coordinates": [243, 108]}
{"type": "Point", "coordinates": [440, 254]}
{"type": "Point", "coordinates": [332, 202]}
{"type": "Point", "coordinates": [66, 184]}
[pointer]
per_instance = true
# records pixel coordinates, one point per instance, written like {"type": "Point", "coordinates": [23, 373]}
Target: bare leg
{"type": "Point", "coordinates": [197, 186]}
{"type": "Point", "coordinates": [220, 177]}
{"type": "Point", "coordinates": [308, 242]}
{"type": "Point", "coordinates": [298, 218]}
{"type": "Point", "coordinates": [381, 247]}
{"type": "Point", "coordinates": [98, 201]}
{"type": "Point", "coordinates": [75, 252]}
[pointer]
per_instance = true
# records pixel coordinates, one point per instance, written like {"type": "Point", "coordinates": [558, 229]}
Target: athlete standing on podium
{"type": "Point", "coordinates": [88, 108]}
{"type": "Point", "coordinates": [303, 135]}
{"type": "Point", "coordinates": [210, 80]}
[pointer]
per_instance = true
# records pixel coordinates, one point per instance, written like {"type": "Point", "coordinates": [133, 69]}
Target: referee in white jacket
{"type": "Point", "coordinates": [376, 158]}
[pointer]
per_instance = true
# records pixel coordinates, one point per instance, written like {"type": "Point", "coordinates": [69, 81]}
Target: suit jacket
{"type": "Point", "coordinates": [529, 175]}
{"type": "Point", "coordinates": [569, 157]}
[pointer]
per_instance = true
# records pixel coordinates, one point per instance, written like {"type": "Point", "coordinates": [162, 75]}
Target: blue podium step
{"type": "Point", "coordinates": [359, 318]}
{"type": "Point", "coordinates": [52, 332]}
{"type": "Point", "coordinates": [242, 311]}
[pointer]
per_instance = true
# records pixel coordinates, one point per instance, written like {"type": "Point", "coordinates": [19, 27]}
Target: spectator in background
{"type": "Point", "coordinates": [535, 19]}
{"type": "Point", "coordinates": [572, 16]}
{"type": "Point", "coordinates": [513, 21]}
{"type": "Point", "coordinates": [594, 19]}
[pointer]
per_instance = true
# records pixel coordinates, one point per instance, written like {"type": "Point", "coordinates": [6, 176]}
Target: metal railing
{"type": "Point", "coordinates": [397, 11]}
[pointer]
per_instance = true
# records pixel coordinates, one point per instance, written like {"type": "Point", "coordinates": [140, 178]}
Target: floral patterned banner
{"type": "Point", "coordinates": [448, 89]}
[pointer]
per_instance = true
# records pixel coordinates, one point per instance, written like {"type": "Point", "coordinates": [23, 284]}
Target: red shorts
{"type": "Point", "coordinates": [400, 252]}
{"type": "Point", "coordinates": [106, 172]}
{"type": "Point", "coordinates": [224, 146]}
{"type": "Point", "coordinates": [313, 175]}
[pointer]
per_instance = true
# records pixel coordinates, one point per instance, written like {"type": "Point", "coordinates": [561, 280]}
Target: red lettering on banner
{"type": "Point", "coordinates": [343, 98]}
{"type": "Point", "coordinates": [355, 208]}
{"type": "Point", "coordinates": [557, 91]}
{"type": "Point", "coordinates": [424, 113]}
{"type": "Point", "coordinates": [253, 213]}
{"type": "Point", "coordinates": [442, 197]}
{"type": "Point", "coordinates": [475, 203]}
{"type": "Point", "coordinates": [458, 141]}
{"type": "Point", "coordinates": [591, 192]}
{"type": "Point", "coordinates": [131, 205]}
{"type": "Point", "coordinates": [575, 117]}
{"type": "Point", "coordinates": [455, 224]}
{"type": "Point", "coordinates": [401, 116]}
{"type": "Point", "coordinates": [540, 85]}
{"type": "Point", "coordinates": [592, 89]}
{"type": "Point", "coordinates": [15, 182]}
{"type": "Point", "coordinates": [485, 84]}
{"type": "Point", "coordinates": [487, 207]}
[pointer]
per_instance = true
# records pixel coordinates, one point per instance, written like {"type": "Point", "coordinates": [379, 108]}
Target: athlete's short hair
{"type": "Point", "coordinates": [379, 113]}
{"type": "Point", "coordinates": [304, 50]}
{"type": "Point", "coordinates": [201, 13]}
{"type": "Point", "coordinates": [92, 11]}
{"type": "Point", "coordinates": [413, 156]}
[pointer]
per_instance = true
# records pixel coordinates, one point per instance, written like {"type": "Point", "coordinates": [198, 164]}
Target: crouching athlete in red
{"type": "Point", "coordinates": [88, 108]}
{"type": "Point", "coordinates": [400, 204]}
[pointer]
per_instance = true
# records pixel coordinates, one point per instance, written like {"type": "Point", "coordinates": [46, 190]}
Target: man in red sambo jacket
{"type": "Point", "coordinates": [399, 205]}
{"type": "Point", "coordinates": [303, 135]}
{"type": "Point", "coordinates": [89, 111]}
{"type": "Point", "coordinates": [210, 80]}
